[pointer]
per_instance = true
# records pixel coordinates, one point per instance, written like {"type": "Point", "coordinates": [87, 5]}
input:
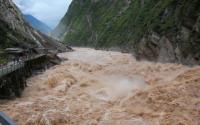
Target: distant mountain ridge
{"type": "Point", "coordinates": [15, 32]}
{"type": "Point", "coordinates": [37, 24]}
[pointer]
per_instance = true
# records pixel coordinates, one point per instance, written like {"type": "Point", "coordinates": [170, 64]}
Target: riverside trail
{"type": "Point", "coordinates": [95, 87]}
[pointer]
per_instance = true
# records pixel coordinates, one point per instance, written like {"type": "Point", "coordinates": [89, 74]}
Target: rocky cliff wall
{"type": "Point", "coordinates": [15, 32]}
{"type": "Point", "coordinates": [156, 30]}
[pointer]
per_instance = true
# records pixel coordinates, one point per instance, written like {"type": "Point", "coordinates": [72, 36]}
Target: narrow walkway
{"type": "Point", "coordinates": [14, 65]}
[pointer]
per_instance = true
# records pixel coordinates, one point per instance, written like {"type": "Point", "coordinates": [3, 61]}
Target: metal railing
{"type": "Point", "coordinates": [14, 65]}
{"type": "Point", "coordinates": [10, 67]}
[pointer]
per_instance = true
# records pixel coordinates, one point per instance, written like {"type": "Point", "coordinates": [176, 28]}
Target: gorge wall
{"type": "Point", "coordinates": [15, 32]}
{"type": "Point", "coordinates": [156, 30]}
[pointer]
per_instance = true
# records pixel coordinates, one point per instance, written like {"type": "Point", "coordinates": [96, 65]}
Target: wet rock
{"type": "Point", "coordinates": [166, 53]}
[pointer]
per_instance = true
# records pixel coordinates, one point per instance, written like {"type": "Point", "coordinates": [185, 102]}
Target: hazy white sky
{"type": "Point", "coordinates": [48, 11]}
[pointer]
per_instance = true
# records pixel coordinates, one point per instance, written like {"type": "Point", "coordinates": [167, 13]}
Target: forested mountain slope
{"type": "Point", "coordinates": [157, 30]}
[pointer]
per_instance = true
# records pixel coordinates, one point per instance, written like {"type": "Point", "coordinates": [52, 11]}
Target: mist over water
{"type": "Point", "coordinates": [117, 86]}
{"type": "Point", "coordinates": [96, 87]}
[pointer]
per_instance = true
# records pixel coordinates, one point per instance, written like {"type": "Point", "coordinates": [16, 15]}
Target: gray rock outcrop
{"type": "Point", "coordinates": [15, 32]}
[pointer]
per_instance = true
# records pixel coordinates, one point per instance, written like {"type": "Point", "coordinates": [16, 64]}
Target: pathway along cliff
{"type": "Point", "coordinates": [96, 87]}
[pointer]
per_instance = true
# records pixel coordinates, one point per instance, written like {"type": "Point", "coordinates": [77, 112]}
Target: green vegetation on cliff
{"type": "Point", "coordinates": [123, 23]}
{"type": "Point", "coordinates": [11, 38]}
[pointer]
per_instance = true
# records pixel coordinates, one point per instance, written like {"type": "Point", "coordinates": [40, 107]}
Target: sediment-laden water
{"type": "Point", "coordinates": [93, 87]}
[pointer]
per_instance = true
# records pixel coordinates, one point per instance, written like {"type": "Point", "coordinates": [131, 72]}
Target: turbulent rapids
{"type": "Point", "coordinates": [93, 87]}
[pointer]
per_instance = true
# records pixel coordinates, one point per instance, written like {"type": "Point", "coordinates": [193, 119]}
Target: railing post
{"type": "Point", "coordinates": [1, 70]}
{"type": "Point", "coordinates": [12, 67]}
{"type": "Point", "coordinates": [6, 69]}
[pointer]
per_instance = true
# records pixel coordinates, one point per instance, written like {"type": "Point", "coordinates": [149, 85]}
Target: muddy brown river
{"type": "Point", "coordinates": [94, 87]}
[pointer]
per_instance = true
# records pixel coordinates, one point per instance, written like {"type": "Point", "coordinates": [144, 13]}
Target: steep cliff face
{"type": "Point", "coordinates": [166, 31]}
{"type": "Point", "coordinates": [15, 32]}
